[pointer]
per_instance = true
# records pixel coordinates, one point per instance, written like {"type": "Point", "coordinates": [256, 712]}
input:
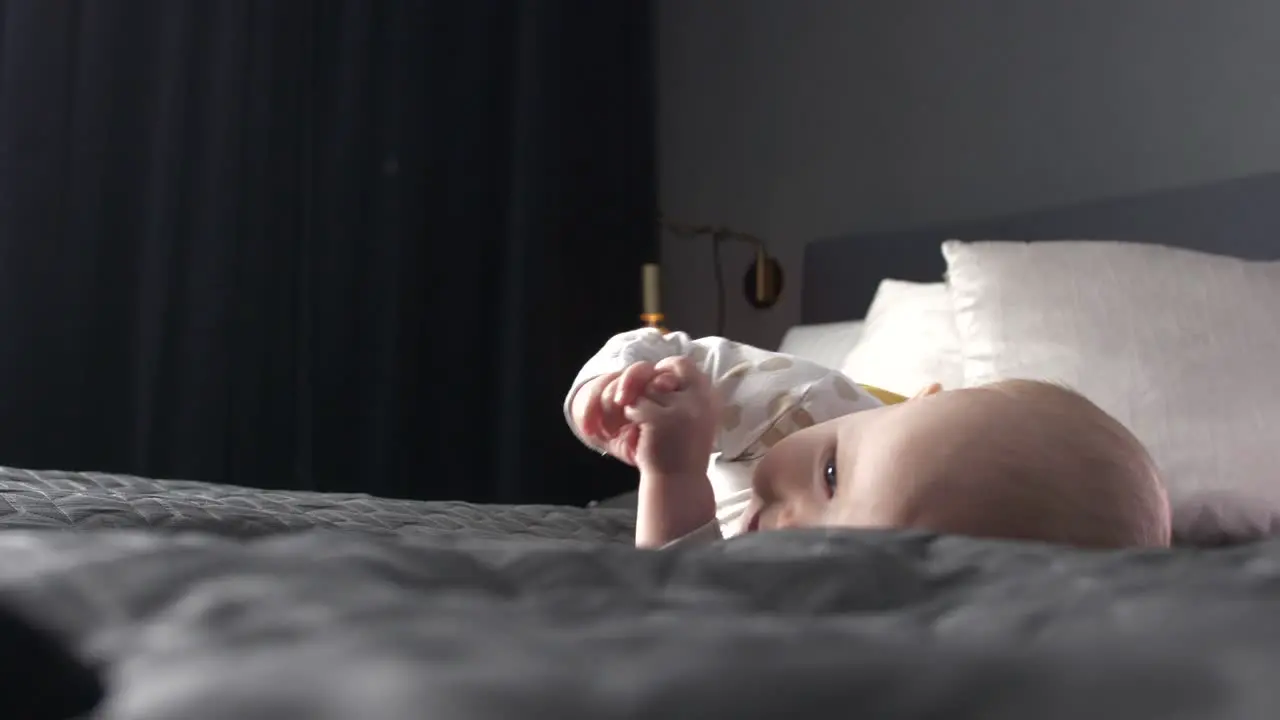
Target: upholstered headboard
{"type": "Point", "coordinates": [1237, 217]}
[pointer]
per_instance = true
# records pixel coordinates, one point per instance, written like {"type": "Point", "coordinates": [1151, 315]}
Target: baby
{"type": "Point", "coordinates": [794, 444]}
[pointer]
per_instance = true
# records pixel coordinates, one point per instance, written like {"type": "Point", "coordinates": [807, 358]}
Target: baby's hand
{"type": "Point", "coordinates": [675, 420]}
{"type": "Point", "coordinates": [598, 408]}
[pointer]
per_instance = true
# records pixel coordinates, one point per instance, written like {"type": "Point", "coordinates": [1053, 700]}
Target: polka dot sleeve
{"type": "Point", "coordinates": [766, 395]}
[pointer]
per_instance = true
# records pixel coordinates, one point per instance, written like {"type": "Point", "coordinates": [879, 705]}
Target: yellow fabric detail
{"type": "Point", "coordinates": [884, 396]}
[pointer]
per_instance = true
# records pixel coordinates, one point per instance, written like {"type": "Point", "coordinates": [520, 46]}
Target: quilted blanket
{"type": "Point", "coordinates": [311, 609]}
{"type": "Point", "coordinates": [89, 501]}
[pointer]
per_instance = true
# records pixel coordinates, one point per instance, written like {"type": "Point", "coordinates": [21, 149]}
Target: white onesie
{"type": "Point", "coordinates": [766, 395]}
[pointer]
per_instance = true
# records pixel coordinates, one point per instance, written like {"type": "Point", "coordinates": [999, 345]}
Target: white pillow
{"type": "Point", "coordinates": [1181, 346]}
{"type": "Point", "coordinates": [823, 343]}
{"type": "Point", "coordinates": [909, 340]}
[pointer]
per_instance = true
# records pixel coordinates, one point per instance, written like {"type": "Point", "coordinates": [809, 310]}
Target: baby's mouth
{"type": "Point", "coordinates": [753, 523]}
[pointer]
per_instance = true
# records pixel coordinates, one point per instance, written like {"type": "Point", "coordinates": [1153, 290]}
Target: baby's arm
{"type": "Point", "coordinates": [674, 435]}
{"type": "Point", "coordinates": [755, 389]}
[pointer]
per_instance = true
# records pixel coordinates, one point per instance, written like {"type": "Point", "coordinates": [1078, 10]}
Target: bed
{"type": "Point", "coordinates": [138, 599]}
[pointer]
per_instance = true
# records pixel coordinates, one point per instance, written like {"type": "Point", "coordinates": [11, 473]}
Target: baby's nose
{"type": "Point", "coordinates": [796, 513]}
{"type": "Point", "coordinates": [793, 515]}
{"type": "Point", "coordinates": [787, 519]}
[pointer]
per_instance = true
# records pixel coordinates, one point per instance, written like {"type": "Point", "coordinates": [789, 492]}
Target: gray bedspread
{"type": "Point", "coordinates": [383, 610]}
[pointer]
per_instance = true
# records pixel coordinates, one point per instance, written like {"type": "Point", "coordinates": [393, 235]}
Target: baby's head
{"type": "Point", "coordinates": [1016, 459]}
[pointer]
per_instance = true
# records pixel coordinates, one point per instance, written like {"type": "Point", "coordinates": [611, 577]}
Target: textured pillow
{"type": "Point", "coordinates": [823, 343]}
{"type": "Point", "coordinates": [908, 340]}
{"type": "Point", "coordinates": [1181, 346]}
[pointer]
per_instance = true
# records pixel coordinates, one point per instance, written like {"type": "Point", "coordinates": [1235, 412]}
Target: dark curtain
{"type": "Point", "coordinates": [341, 245]}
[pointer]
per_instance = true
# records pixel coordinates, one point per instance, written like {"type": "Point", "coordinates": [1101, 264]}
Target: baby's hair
{"type": "Point", "coordinates": [1076, 474]}
{"type": "Point", "coordinates": [1023, 388]}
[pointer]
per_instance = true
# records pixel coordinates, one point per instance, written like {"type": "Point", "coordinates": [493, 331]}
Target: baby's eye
{"type": "Point", "coordinates": [829, 475]}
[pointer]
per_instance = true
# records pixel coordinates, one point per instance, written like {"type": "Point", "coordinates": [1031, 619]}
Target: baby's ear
{"type": "Point", "coordinates": [927, 390]}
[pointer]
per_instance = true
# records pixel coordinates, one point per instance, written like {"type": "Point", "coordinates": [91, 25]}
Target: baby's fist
{"type": "Point", "coordinates": [599, 407]}
{"type": "Point", "coordinates": [676, 420]}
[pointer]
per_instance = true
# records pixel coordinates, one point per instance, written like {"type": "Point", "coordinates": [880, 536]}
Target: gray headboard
{"type": "Point", "coordinates": [1237, 217]}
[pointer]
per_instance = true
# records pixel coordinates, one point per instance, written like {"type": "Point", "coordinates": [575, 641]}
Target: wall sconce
{"type": "Point", "coordinates": [762, 281]}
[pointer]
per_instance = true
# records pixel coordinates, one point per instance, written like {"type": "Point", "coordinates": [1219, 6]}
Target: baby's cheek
{"type": "Point", "coordinates": [846, 510]}
{"type": "Point", "coordinates": [875, 491]}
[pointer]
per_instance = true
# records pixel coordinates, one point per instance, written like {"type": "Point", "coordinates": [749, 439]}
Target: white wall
{"type": "Point", "coordinates": [797, 119]}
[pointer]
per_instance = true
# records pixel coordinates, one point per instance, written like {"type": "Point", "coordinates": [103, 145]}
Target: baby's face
{"type": "Point", "coordinates": [841, 472]}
